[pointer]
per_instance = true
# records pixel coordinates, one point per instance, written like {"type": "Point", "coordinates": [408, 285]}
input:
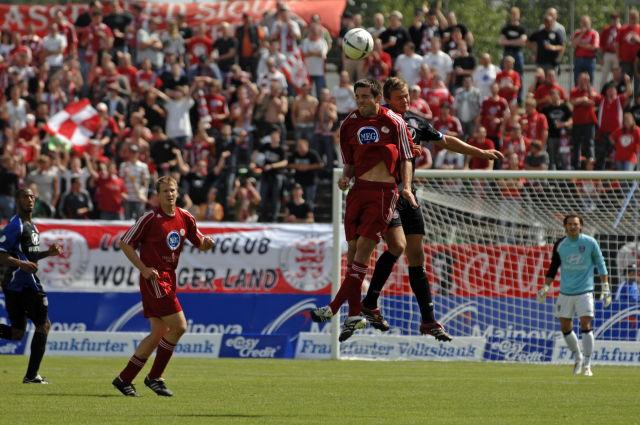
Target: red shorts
{"type": "Point", "coordinates": [159, 298]}
{"type": "Point", "coordinates": [370, 207]}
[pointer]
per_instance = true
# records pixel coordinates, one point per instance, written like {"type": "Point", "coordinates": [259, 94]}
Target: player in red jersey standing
{"type": "Point", "coordinates": [372, 140]}
{"type": "Point", "coordinates": [159, 235]}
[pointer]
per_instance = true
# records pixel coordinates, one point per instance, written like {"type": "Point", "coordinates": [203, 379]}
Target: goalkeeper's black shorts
{"type": "Point", "coordinates": [409, 218]}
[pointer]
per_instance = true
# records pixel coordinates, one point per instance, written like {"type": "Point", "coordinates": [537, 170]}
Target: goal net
{"type": "Point", "coordinates": [488, 243]}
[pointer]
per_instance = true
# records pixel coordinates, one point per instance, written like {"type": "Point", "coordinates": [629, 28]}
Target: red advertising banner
{"type": "Point", "coordinates": [211, 12]}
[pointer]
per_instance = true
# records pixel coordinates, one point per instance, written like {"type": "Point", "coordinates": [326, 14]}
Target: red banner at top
{"type": "Point", "coordinates": [212, 12]}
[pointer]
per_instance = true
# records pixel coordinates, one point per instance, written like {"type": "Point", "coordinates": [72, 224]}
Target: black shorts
{"type": "Point", "coordinates": [409, 218]}
{"type": "Point", "coordinates": [25, 305]}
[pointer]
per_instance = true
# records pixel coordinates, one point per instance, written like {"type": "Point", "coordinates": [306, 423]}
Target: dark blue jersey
{"type": "Point", "coordinates": [20, 240]}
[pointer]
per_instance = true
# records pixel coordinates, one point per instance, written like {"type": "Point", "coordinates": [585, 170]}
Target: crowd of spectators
{"type": "Point", "coordinates": [216, 108]}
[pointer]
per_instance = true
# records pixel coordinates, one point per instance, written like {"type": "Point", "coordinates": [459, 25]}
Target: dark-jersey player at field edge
{"type": "Point", "coordinates": [24, 295]}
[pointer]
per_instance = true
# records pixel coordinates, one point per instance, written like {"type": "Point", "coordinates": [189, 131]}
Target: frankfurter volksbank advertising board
{"type": "Point", "coordinates": [247, 298]}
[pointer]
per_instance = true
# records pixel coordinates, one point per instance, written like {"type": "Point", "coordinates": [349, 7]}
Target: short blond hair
{"type": "Point", "coordinates": [165, 180]}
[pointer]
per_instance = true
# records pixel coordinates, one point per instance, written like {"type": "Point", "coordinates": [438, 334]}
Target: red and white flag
{"type": "Point", "coordinates": [295, 70]}
{"type": "Point", "coordinates": [75, 124]}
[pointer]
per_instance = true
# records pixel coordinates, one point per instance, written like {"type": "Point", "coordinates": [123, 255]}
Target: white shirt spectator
{"type": "Point", "coordinates": [483, 77]}
{"type": "Point", "coordinates": [441, 63]}
{"type": "Point", "coordinates": [264, 80]}
{"type": "Point", "coordinates": [178, 122]}
{"type": "Point", "coordinates": [156, 56]}
{"type": "Point", "coordinates": [288, 33]}
{"type": "Point", "coordinates": [446, 159]}
{"type": "Point", "coordinates": [17, 113]}
{"type": "Point", "coordinates": [315, 64]}
{"type": "Point", "coordinates": [345, 99]}
{"type": "Point", "coordinates": [134, 175]}
{"type": "Point", "coordinates": [408, 67]}
{"type": "Point", "coordinates": [54, 43]}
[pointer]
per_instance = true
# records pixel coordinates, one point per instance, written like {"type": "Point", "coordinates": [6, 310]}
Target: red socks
{"type": "Point", "coordinates": [350, 289]}
{"type": "Point", "coordinates": [163, 355]}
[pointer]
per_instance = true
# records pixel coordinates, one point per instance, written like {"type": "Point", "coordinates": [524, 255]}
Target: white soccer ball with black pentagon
{"type": "Point", "coordinates": [357, 43]}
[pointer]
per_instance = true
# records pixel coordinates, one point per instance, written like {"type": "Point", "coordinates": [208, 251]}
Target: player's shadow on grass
{"type": "Point", "coordinates": [75, 395]}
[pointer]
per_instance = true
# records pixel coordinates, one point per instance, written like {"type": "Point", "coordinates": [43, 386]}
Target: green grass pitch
{"type": "Point", "coordinates": [229, 391]}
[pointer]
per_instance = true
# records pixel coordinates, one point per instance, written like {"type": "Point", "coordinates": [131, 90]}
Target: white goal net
{"type": "Point", "coordinates": [489, 237]}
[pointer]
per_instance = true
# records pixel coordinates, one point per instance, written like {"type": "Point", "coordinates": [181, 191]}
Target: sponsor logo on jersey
{"type": "Point", "coordinates": [35, 239]}
{"type": "Point", "coordinates": [368, 135]}
{"type": "Point", "coordinates": [182, 232]}
{"type": "Point", "coordinates": [173, 240]}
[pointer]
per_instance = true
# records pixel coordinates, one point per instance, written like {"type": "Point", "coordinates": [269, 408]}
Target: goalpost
{"type": "Point", "coordinates": [489, 235]}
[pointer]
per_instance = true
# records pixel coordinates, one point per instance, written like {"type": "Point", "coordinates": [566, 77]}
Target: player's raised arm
{"type": "Point", "coordinates": [454, 144]}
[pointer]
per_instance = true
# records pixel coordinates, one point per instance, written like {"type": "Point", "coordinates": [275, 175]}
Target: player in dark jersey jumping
{"type": "Point", "coordinates": [24, 295]}
{"type": "Point", "coordinates": [409, 221]}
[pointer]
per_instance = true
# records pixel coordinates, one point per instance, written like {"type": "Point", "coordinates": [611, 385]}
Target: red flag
{"type": "Point", "coordinates": [75, 124]}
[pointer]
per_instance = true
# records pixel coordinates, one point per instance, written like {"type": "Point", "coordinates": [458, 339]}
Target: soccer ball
{"type": "Point", "coordinates": [357, 43]}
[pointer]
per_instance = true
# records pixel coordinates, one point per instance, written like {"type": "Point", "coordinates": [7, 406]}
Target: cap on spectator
{"type": "Point", "coordinates": [396, 14]}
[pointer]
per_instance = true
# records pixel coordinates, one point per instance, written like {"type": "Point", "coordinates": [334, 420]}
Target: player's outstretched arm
{"type": "Point", "coordinates": [53, 251]}
{"type": "Point", "coordinates": [456, 145]}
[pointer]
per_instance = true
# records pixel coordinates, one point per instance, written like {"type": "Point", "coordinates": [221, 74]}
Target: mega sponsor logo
{"type": "Point", "coordinates": [254, 346]}
{"type": "Point", "coordinates": [368, 135]}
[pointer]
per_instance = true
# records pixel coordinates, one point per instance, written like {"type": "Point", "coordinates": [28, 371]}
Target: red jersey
{"type": "Point", "coordinates": [505, 80]}
{"type": "Point", "coordinates": [199, 46]}
{"type": "Point", "coordinates": [542, 94]}
{"type": "Point", "coordinates": [449, 125]}
{"type": "Point", "coordinates": [438, 97]}
{"type": "Point", "coordinates": [610, 114]}
{"type": "Point", "coordinates": [585, 114]}
{"type": "Point", "coordinates": [109, 193]}
{"type": "Point", "coordinates": [627, 48]}
{"type": "Point", "coordinates": [518, 146]}
{"type": "Point", "coordinates": [590, 37]}
{"type": "Point", "coordinates": [534, 126]}
{"type": "Point", "coordinates": [626, 145]}
{"type": "Point", "coordinates": [376, 69]}
{"type": "Point", "coordinates": [608, 38]}
{"type": "Point", "coordinates": [365, 141]}
{"type": "Point", "coordinates": [480, 163]}
{"type": "Point", "coordinates": [217, 104]}
{"type": "Point", "coordinates": [421, 105]}
{"type": "Point", "coordinates": [160, 237]}
{"type": "Point", "coordinates": [493, 108]}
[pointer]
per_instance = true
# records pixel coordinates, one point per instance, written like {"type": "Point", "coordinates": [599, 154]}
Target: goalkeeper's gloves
{"type": "Point", "coordinates": [605, 294]}
{"type": "Point", "coordinates": [542, 293]}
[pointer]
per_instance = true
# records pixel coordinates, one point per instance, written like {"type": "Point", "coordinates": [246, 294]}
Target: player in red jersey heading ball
{"type": "Point", "coordinates": [159, 235]}
{"type": "Point", "coordinates": [372, 140]}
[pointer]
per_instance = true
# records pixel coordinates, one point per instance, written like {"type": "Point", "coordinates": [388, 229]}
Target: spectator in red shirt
{"type": "Point", "coordinates": [543, 92]}
{"type": "Point", "coordinates": [509, 80]}
{"type": "Point", "coordinates": [480, 141]}
{"type": "Point", "coordinates": [110, 190]}
{"type": "Point", "coordinates": [418, 104]}
{"type": "Point", "coordinates": [584, 100]}
{"type": "Point", "coordinates": [515, 143]}
{"type": "Point", "coordinates": [438, 95]}
{"type": "Point", "coordinates": [626, 144]}
{"type": "Point", "coordinates": [199, 45]}
{"type": "Point", "coordinates": [493, 114]}
{"type": "Point", "coordinates": [534, 124]}
{"type": "Point", "coordinates": [629, 43]}
{"type": "Point", "coordinates": [610, 110]}
{"type": "Point", "coordinates": [586, 42]}
{"type": "Point", "coordinates": [609, 47]}
{"type": "Point", "coordinates": [378, 64]}
{"type": "Point", "coordinates": [446, 123]}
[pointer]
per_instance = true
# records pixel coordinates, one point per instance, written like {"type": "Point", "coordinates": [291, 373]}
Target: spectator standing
{"type": "Point", "coordinates": [285, 31]}
{"type": "Point", "coordinates": [509, 81]}
{"type": "Point", "coordinates": [344, 96]}
{"type": "Point", "coordinates": [485, 75]}
{"type": "Point", "coordinates": [225, 48]}
{"type": "Point", "coordinates": [110, 190]}
{"type": "Point", "coordinates": [249, 36]}
{"type": "Point", "coordinates": [542, 93]}
{"type": "Point", "coordinates": [626, 144]}
{"type": "Point", "coordinates": [378, 64]}
{"type": "Point", "coordinates": [467, 106]}
{"type": "Point", "coordinates": [463, 65]}
{"type": "Point", "coordinates": [534, 124]}
{"type": "Point", "coordinates": [306, 163]}
{"type": "Point", "coordinates": [537, 158]}
{"type": "Point", "coordinates": [610, 111]}
{"type": "Point", "coordinates": [438, 61]}
{"type": "Point", "coordinates": [548, 45]}
{"type": "Point", "coordinates": [629, 43]}
{"type": "Point", "coordinates": [76, 204]}
{"type": "Point", "coordinates": [212, 210]}
{"type": "Point", "coordinates": [46, 179]}
{"type": "Point", "coordinates": [395, 36]}
{"type": "Point", "coordinates": [303, 113]}
{"type": "Point", "coordinates": [407, 65]}
{"type": "Point", "coordinates": [586, 43]}
{"type": "Point", "coordinates": [480, 141]}
{"type": "Point", "coordinates": [513, 37]}
{"type": "Point", "coordinates": [494, 112]}
{"type": "Point", "coordinates": [273, 164]}
{"type": "Point", "coordinates": [559, 118]}
{"type": "Point", "coordinates": [378, 25]}
{"type": "Point", "coordinates": [314, 49]}
{"type": "Point", "coordinates": [135, 174]}
{"type": "Point", "coordinates": [9, 187]}
{"type": "Point", "coordinates": [298, 209]}
{"type": "Point", "coordinates": [54, 45]}
{"type": "Point", "coordinates": [609, 47]}
{"type": "Point", "coordinates": [584, 100]}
